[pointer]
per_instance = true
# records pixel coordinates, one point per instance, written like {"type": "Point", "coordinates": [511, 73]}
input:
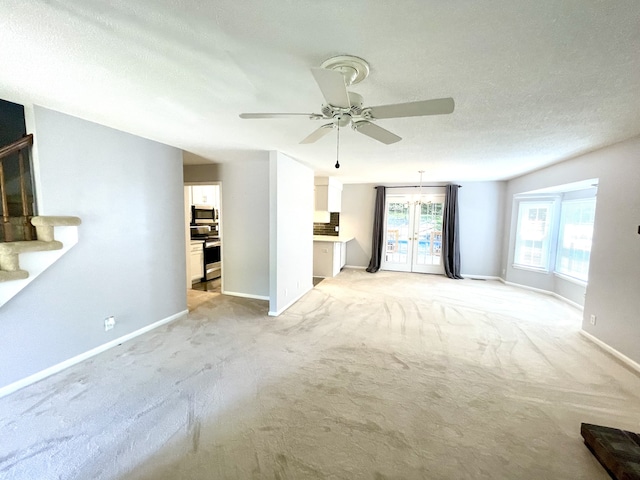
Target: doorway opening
{"type": "Point", "coordinates": [203, 231]}
{"type": "Point", "coordinates": [413, 233]}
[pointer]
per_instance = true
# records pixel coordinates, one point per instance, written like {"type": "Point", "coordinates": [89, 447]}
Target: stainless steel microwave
{"type": "Point", "coordinates": [203, 215]}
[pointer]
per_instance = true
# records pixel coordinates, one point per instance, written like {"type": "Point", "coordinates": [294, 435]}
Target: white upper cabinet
{"type": "Point", "coordinates": [208, 195]}
{"type": "Point", "coordinates": [328, 194]}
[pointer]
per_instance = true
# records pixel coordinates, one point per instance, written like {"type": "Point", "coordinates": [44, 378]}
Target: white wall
{"type": "Point", "coordinates": [291, 231]}
{"type": "Point", "coordinates": [245, 226]}
{"type": "Point", "coordinates": [129, 261]}
{"type": "Point", "coordinates": [481, 210]}
{"type": "Point", "coordinates": [614, 281]}
{"type": "Point", "coordinates": [356, 220]}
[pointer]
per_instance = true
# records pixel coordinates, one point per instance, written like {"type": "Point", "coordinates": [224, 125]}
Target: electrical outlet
{"type": "Point", "coordinates": [109, 323]}
{"type": "Point", "coordinates": [592, 319]}
{"type": "Point", "coordinates": [286, 292]}
{"type": "Point", "coordinates": [337, 228]}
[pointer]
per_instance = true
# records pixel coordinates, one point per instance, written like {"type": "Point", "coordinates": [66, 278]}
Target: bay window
{"type": "Point", "coordinates": [554, 230]}
{"type": "Point", "coordinates": [574, 238]}
{"type": "Point", "coordinates": [533, 234]}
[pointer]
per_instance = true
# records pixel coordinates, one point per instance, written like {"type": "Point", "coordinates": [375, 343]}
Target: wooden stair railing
{"type": "Point", "coordinates": [20, 147]}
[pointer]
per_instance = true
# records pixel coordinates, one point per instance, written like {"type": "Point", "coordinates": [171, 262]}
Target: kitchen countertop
{"type": "Point", "coordinates": [331, 238]}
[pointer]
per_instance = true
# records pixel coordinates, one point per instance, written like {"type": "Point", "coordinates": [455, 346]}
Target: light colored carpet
{"type": "Point", "coordinates": [383, 376]}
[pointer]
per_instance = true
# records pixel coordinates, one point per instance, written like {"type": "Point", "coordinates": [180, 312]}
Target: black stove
{"type": "Point", "coordinates": [204, 237]}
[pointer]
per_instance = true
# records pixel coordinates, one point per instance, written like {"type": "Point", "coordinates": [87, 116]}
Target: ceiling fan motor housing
{"type": "Point", "coordinates": [340, 114]}
{"type": "Point", "coordinates": [353, 69]}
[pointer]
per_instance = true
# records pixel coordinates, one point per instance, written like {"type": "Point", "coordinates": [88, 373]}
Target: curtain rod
{"type": "Point", "coordinates": [415, 186]}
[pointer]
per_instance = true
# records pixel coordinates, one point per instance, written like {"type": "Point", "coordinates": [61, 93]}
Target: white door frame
{"type": "Point", "coordinates": [423, 244]}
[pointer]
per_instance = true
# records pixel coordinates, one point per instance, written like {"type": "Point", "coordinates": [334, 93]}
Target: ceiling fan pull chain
{"type": "Point", "coordinates": [338, 149]}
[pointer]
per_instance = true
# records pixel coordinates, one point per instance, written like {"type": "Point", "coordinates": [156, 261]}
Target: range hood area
{"type": "Point", "coordinates": [328, 198]}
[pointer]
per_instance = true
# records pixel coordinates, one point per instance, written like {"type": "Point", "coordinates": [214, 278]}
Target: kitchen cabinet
{"type": "Point", "coordinates": [206, 195]}
{"type": "Point", "coordinates": [328, 194]}
{"type": "Point", "coordinates": [196, 262]}
{"type": "Point", "coordinates": [329, 255]}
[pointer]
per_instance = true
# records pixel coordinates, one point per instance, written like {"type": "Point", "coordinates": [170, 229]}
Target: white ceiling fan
{"type": "Point", "coordinates": [344, 108]}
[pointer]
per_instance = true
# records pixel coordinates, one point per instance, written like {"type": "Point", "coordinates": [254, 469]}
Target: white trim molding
{"type": "Point", "coordinates": [275, 314]}
{"type": "Point", "coordinates": [480, 277]}
{"type": "Point", "coordinates": [245, 295]}
{"type": "Point", "coordinates": [546, 292]}
{"type": "Point", "coordinates": [609, 349]}
{"type": "Point", "coordinates": [36, 377]}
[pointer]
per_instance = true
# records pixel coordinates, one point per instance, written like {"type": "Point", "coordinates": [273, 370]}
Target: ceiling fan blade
{"type": "Point", "coordinates": [377, 133]}
{"type": "Point", "coordinates": [318, 133]}
{"type": "Point", "coordinates": [312, 116]}
{"type": "Point", "coordinates": [437, 106]}
{"type": "Point", "coordinates": [331, 83]}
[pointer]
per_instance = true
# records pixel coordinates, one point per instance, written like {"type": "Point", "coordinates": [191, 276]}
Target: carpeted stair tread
{"type": "Point", "coordinates": [15, 275]}
{"type": "Point", "coordinates": [12, 248]}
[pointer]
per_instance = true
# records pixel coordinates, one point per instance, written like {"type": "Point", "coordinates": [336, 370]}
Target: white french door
{"type": "Point", "coordinates": [413, 233]}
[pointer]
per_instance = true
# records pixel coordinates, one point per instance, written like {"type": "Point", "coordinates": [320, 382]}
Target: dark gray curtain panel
{"type": "Point", "coordinates": [378, 231]}
{"type": "Point", "coordinates": [450, 232]}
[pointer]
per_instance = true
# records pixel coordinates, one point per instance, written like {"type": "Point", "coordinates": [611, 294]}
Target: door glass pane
{"type": "Point", "coordinates": [397, 247]}
{"type": "Point", "coordinates": [429, 234]}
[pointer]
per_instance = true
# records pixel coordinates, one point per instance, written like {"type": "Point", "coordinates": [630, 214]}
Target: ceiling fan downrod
{"type": "Point", "coordinates": [338, 148]}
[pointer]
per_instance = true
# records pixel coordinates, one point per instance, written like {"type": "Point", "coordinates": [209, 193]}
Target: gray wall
{"type": "Point", "coordinates": [356, 220]}
{"type": "Point", "coordinates": [481, 208]}
{"type": "Point", "coordinates": [245, 219]}
{"type": "Point", "coordinates": [129, 261]}
{"type": "Point", "coordinates": [614, 281]}
{"type": "Point", "coordinates": [245, 226]}
{"type": "Point", "coordinates": [200, 173]}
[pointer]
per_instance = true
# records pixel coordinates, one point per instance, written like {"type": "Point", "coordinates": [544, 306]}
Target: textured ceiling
{"type": "Point", "coordinates": [534, 82]}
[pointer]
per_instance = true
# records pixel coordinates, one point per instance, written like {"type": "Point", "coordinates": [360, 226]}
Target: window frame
{"type": "Point", "coordinates": [552, 201]}
{"type": "Point", "coordinates": [572, 199]}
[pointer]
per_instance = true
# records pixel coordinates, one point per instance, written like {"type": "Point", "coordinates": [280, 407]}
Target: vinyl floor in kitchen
{"type": "Point", "coordinates": [212, 286]}
{"type": "Point", "coordinates": [201, 293]}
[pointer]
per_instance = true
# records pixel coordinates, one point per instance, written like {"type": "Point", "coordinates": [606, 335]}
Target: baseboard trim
{"type": "Point", "coordinates": [355, 267]}
{"type": "Point", "coordinates": [479, 277]}
{"type": "Point", "coordinates": [609, 349]}
{"type": "Point", "coordinates": [570, 302]}
{"type": "Point", "coordinates": [47, 372]}
{"type": "Point", "coordinates": [275, 314]}
{"type": "Point", "coordinates": [546, 292]}
{"type": "Point", "coordinates": [246, 295]}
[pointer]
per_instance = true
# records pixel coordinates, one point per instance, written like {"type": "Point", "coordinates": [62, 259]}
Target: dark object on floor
{"type": "Point", "coordinates": [617, 450]}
